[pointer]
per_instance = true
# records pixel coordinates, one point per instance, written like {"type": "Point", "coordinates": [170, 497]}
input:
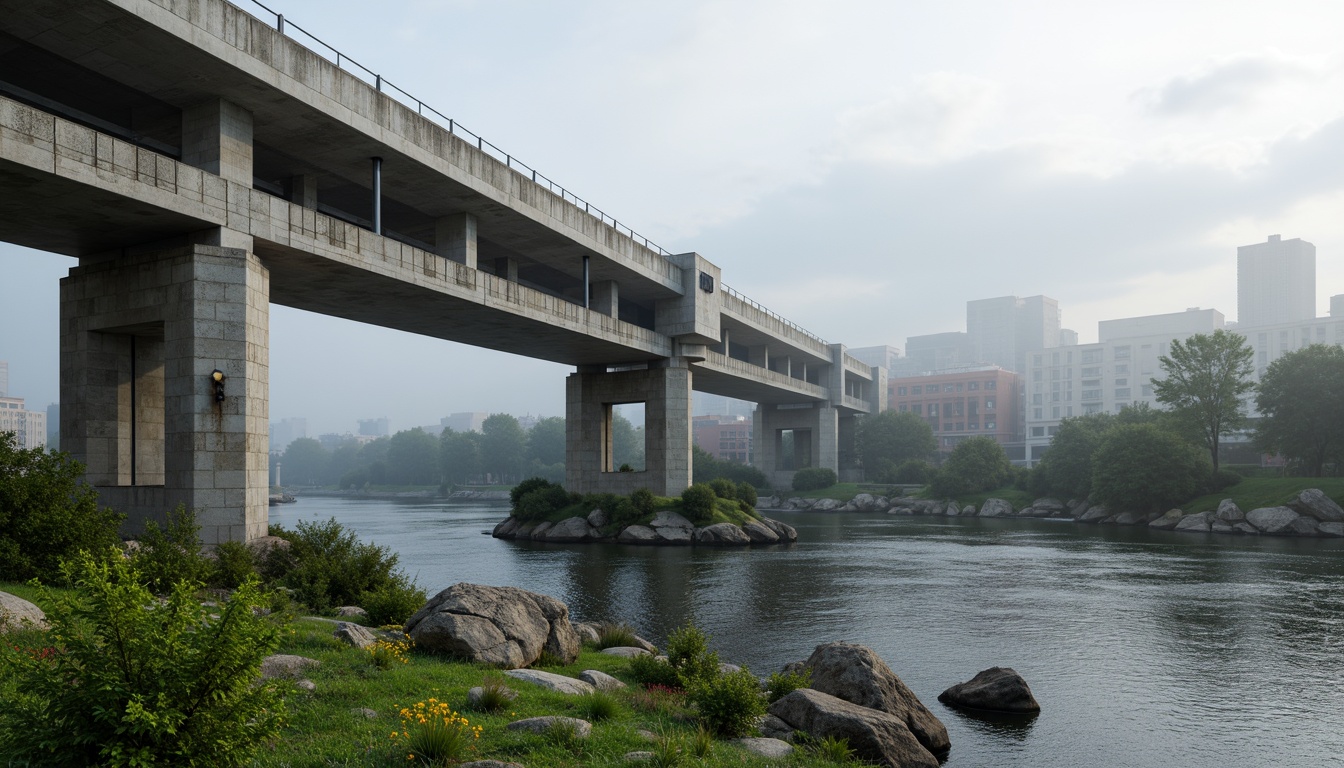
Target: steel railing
{"type": "Point", "coordinates": [783, 321]}
{"type": "Point", "coordinates": [455, 128]}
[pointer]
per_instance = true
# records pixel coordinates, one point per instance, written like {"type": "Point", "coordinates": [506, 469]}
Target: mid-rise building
{"type": "Point", "coordinates": [877, 357]}
{"type": "Point", "coordinates": [4, 378]}
{"type": "Point", "coordinates": [286, 431]}
{"type": "Point", "coordinates": [1276, 282]}
{"type": "Point", "coordinates": [30, 427]}
{"type": "Point", "coordinates": [966, 402]}
{"type": "Point", "coordinates": [1002, 330]}
{"type": "Point", "coordinates": [374, 427]}
{"type": "Point", "coordinates": [465, 422]}
{"type": "Point", "coordinates": [726, 437]}
{"type": "Point", "coordinates": [933, 352]}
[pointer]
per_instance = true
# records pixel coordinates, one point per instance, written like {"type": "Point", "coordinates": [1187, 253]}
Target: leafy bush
{"type": "Point", "coordinates": [1223, 478]}
{"type": "Point", "coordinates": [947, 485]}
{"type": "Point", "coordinates": [643, 501]}
{"type": "Point", "coordinates": [135, 681]}
{"type": "Point", "coordinates": [724, 488]}
{"type": "Point", "coordinates": [170, 554]}
{"type": "Point", "coordinates": [326, 566]}
{"type": "Point", "coordinates": [651, 671]}
{"type": "Point", "coordinates": [393, 602]}
{"type": "Point", "coordinates": [235, 563]}
{"type": "Point", "coordinates": [705, 467]}
{"type": "Point", "coordinates": [813, 479]}
{"type": "Point", "coordinates": [1145, 468]}
{"type": "Point", "coordinates": [47, 512]}
{"type": "Point", "coordinates": [688, 653]}
{"type": "Point", "coordinates": [697, 503]}
{"type": "Point", "coordinates": [976, 464]}
{"type": "Point", "coordinates": [746, 493]}
{"type": "Point", "coordinates": [728, 704]}
{"type": "Point", "coordinates": [781, 684]}
{"type": "Point", "coordinates": [541, 503]}
{"type": "Point", "coordinates": [517, 492]}
{"type": "Point", "coordinates": [913, 471]}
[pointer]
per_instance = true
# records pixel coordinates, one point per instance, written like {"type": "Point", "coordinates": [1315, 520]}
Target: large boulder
{"type": "Point", "coordinates": [1094, 514]}
{"type": "Point", "coordinates": [1197, 522]}
{"type": "Point", "coordinates": [786, 533]}
{"type": "Point", "coordinates": [551, 681]}
{"type": "Point", "coordinates": [506, 528]}
{"type": "Point", "coordinates": [354, 634]}
{"type": "Point", "coordinates": [1279, 521]}
{"type": "Point", "coordinates": [759, 533]}
{"type": "Point", "coordinates": [1168, 521]}
{"type": "Point", "coordinates": [581, 729]}
{"type": "Point", "coordinates": [1048, 505]}
{"type": "Point", "coordinates": [17, 613]}
{"type": "Point", "coordinates": [572, 529]}
{"type": "Point", "coordinates": [1315, 503]}
{"type": "Point", "coordinates": [722, 535]}
{"type": "Point", "coordinates": [638, 534]}
{"type": "Point", "coordinates": [874, 735]}
{"type": "Point", "coordinates": [856, 674]}
{"type": "Point", "coordinates": [1229, 512]}
{"type": "Point", "coordinates": [996, 508]}
{"type": "Point", "coordinates": [500, 626]}
{"type": "Point", "coordinates": [997, 689]}
{"type": "Point", "coordinates": [286, 665]}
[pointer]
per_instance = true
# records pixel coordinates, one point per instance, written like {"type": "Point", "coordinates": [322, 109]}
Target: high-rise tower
{"type": "Point", "coordinates": [1276, 282]}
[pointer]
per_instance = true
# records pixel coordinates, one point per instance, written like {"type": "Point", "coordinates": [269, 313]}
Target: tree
{"type": "Point", "coordinates": [413, 458]}
{"type": "Point", "coordinates": [976, 464]}
{"type": "Point", "coordinates": [1206, 377]}
{"type": "Point", "coordinates": [1144, 468]}
{"type": "Point", "coordinates": [890, 439]}
{"type": "Point", "coordinates": [1066, 468]}
{"type": "Point", "coordinates": [546, 441]}
{"type": "Point", "coordinates": [627, 442]}
{"type": "Point", "coordinates": [503, 446]}
{"type": "Point", "coordinates": [47, 512]}
{"type": "Point", "coordinates": [1301, 401]}
{"type": "Point", "coordinates": [304, 462]}
{"type": "Point", "coordinates": [460, 455]}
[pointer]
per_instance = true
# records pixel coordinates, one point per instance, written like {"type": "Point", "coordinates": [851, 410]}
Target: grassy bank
{"type": "Point", "coordinates": [1254, 492]}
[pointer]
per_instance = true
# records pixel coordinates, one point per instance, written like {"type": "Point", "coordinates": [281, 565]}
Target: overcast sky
{"type": "Point", "coordinates": [862, 168]}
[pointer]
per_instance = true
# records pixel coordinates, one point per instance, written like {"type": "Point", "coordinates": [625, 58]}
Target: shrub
{"type": "Point", "coordinates": [948, 485]}
{"type": "Point", "coordinates": [136, 681]}
{"type": "Point", "coordinates": [1144, 468]}
{"type": "Point", "coordinates": [643, 501]}
{"type": "Point", "coordinates": [517, 492]}
{"type": "Point", "coordinates": [650, 671]}
{"type": "Point", "coordinates": [1223, 478]}
{"type": "Point", "coordinates": [702, 742]}
{"type": "Point", "coordinates": [326, 566]}
{"type": "Point", "coordinates": [688, 653]}
{"type": "Point", "coordinates": [746, 493]}
{"type": "Point", "coordinates": [813, 479]}
{"type": "Point", "coordinates": [697, 503]}
{"type": "Point", "coordinates": [234, 563]}
{"type": "Point", "coordinates": [393, 602]}
{"type": "Point", "coordinates": [170, 554]}
{"type": "Point", "coordinates": [541, 503]}
{"type": "Point", "coordinates": [495, 695]}
{"type": "Point", "coordinates": [47, 513]}
{"type": "Point", "coordinates": [728, 704]}
{"type": "Point", "coordinates": [913, 471]}
{"type": "Point", "coordinates": [976, 464]}
{"type": "Point", "coordinates": [830, 749]}
{"type": "Point", "coordinates": [781, 684]}
{"type": "Point", "coordinates": [724, 488]}
{"type": "Point", "coordinates": [383, 654]}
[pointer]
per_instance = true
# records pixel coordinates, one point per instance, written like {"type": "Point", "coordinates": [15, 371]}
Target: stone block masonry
{"type": "Point", "coordinates": [140, 338]}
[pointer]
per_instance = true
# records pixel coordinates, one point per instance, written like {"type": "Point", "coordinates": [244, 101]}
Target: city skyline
{"type": "Point", "coordinates": [864, 171]}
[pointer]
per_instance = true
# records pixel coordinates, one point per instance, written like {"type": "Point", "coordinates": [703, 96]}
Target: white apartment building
{"type": "Point", "coordinates": [1119, 370]}
{"type": "Point", "coordinates": [1276, 282]}
{"type": "Point", "coordinates": [29, 426]}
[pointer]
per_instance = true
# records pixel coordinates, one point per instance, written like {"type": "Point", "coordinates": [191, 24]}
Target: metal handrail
{"type": "Point", "coordinates": [768, 312]}
{"type": "Point", "coordinates": [457, 129]}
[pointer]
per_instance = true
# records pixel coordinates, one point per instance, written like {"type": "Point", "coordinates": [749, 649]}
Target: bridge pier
{"type": "Point", "coordinates": [788, 439]}
{"type": "Point", "coordinates": [141, 335]}
{"type": "Point", "coordinates": [665, 390]}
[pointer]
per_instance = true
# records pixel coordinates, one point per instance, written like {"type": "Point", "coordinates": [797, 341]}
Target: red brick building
{"type": "Point", "coordinates": [963, 402]}
{"type": "Point", "coordinates": [724, 437]}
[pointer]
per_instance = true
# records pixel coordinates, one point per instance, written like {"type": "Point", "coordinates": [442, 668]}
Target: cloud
{"type": "Point", "coordinates": [934, 118]}
{"type": "Point", "coordinates": [1226, 84]}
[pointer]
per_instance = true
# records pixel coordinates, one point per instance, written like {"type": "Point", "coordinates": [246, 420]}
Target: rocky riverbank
{"type": "Point", "coordinates": [1311, 513]}
{"type": "Point", "coordinates": [666, 529]}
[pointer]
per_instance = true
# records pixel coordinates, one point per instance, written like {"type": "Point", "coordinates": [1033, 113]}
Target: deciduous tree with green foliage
{"type": "Point", "coordinates": [47, 512]}
{"type": "Point", "coordinates": [976, 464]}
{"type": "Point", "coordinates": [1144, 468]}
{"type": "Point", "coordinates": [1206, 377]}
{"type": "Point", "coordinates": [460, 454]}
{"type": "Point", "coordinates": [546, 441]}
{"type": "Point", "coordinates": [1066, 468]}
{"type": "Point", "coordinates": [413, 458]}
{"type": "Point", "coordinates": [889, 439]}
{"type": "Point", "coordinates": [1301, 402]}
{"type": "Point", "coordinates": [503, 446]}
{"type": "Point", "coordinates": [304, 462]}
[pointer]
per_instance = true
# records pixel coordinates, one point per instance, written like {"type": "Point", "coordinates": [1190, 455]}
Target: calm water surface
{"type": "Point", "coordinates": [1144, 649]}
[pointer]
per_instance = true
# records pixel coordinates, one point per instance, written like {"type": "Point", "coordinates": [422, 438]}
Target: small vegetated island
{"type": "Point", "coordinates": [719, 513]}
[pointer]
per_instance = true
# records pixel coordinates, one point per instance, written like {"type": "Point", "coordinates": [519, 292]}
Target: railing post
{"type": "Point", "coordinates": [378, 83]}
{"type": "Point", "coordinates": [280, 23]}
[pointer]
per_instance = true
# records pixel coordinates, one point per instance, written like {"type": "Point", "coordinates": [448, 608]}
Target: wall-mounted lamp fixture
{"type": "Point", "coordinates": [217, 378]}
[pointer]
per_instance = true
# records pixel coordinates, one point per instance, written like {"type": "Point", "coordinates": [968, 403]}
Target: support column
{"type": "Point", "coordinates": [812, 439]}
{"type": "Point", "coordinates": [455, 238]}
{"type": "Point", "coordinates": [217, 137]}
{"type": "Point", "coordinates": [507, 268]}
{"type": "Point", "coordinates": [606, 298]}
{"type": "Point", "coordinates": [666, 394]}
{"type": "Point", "coordinates": [726, 343]}
{"type": "Point", "coordinates": [302, 190]}
{"type": "Point", "coordinates": [759, 356]}
{"type": "Point", "coordinates": [140, 337]}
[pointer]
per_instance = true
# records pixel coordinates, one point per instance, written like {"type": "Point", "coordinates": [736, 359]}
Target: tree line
{"type": "Point", "coordinates": [501, 453]}
{"type": "Point", "coordinates": [1144, 458]}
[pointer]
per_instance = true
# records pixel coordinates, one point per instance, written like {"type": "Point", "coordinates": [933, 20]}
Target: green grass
{"type": "Point", "coordinates": [1255, 492]}
{"type": "Point", "coordinates": [839, 491]}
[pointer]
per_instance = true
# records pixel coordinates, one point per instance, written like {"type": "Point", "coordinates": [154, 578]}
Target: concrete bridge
{"type": "Point", "coordinates": [201, 164]}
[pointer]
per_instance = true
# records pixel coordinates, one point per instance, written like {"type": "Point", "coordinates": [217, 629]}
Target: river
{"type": "Point", "coordinates": [1144, 648]}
